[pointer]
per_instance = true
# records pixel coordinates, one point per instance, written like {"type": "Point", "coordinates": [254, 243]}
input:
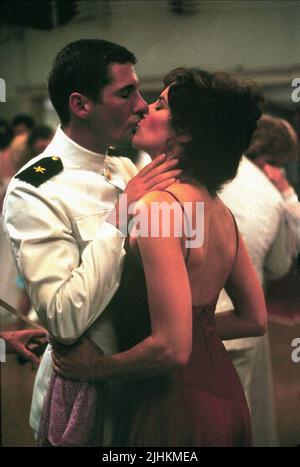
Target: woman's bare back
{"type": "Point", "coordinates": [208, 265]}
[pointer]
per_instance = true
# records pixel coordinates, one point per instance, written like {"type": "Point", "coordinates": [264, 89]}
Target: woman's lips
{"type": "Point", "coordinates": [139, 123]}
{"type": "Point", "coordinates": [136, 127]}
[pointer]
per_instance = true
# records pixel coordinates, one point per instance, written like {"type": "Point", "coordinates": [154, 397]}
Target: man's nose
{"type": "Point", "coordinates": [141, 105]}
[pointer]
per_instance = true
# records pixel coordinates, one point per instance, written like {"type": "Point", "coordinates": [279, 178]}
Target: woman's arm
{"type": "Point", "coordinates": [169, 299]}
{"type": "Point", "coordinates": [249, 317]}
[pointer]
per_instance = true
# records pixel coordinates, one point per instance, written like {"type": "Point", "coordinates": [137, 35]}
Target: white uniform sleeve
{"type": "Point", "coordinates": [292, 212]}
{"type": "Point", "coordinates": [224, 302]}
{"type": "Point", "coordinates": [280, 256]}
{"type": "Point", "coordinates": [68, 292]}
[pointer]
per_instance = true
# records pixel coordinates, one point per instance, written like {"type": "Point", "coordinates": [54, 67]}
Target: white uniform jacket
{"type": "Point", "coordinates": [70, 258]}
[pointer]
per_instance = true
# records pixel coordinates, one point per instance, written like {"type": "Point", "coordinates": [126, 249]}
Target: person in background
{"type": "Point", "coordinates": [276, 144]}
{"type": "Point", "coordinates": [38, 140]}
{"type": "Point", "coordinates": [22, 123]}
{"type": "Point", "coordinates": [6, 134]}
{"type": "Point", "coordinates": [260, 213]}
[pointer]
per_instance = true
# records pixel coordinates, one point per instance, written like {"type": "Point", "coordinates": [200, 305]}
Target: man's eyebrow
{"type": "Point", "coordinates": [129, 87]}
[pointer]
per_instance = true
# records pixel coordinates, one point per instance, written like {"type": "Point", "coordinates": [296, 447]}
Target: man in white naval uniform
{"type": "Point", "coordinates": [57, 207]}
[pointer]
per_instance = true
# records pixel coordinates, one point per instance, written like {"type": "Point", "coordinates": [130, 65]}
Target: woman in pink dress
{"type": "Point", "coordinates": [178, 385]}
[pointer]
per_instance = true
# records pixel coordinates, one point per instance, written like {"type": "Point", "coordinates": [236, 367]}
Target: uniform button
{"type": "Point", "coordinates": [107, 174]}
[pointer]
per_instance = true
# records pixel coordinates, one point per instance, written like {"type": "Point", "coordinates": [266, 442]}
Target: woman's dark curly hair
{"type": "Point", "coordinates": [220, 115]}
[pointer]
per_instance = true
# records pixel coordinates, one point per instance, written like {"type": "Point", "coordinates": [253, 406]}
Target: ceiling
{"type": "Point", "coordinates": [48, 14]}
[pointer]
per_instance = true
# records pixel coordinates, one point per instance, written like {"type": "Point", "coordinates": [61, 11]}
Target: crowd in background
{"type": "Point", "coordinates": [273, 148]}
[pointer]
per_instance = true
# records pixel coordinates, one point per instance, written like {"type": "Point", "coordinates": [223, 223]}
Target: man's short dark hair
{"type": "Point", "coordinates": [23, 119]}
{"type": "Point", "coordinates": [82, 66]}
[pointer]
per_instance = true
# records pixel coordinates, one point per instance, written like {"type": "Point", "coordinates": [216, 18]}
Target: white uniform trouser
{"type": "Point", "coordinates": [254, 368]}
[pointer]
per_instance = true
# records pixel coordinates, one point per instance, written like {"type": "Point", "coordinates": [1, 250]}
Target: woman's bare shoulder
{"type": "Point", "coordinates": [188, 192]}
{"type": "Point", "coordinates": [155, 196]}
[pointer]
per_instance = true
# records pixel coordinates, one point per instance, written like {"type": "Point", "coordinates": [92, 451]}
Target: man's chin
{"type": "Point", "coordinates": [135, 141]}
{"type": "Point", "coordinates": [123, 143]}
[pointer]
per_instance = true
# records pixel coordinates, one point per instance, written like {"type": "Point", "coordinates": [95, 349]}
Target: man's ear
{"type": "Point", "coordinates": [80, 105]}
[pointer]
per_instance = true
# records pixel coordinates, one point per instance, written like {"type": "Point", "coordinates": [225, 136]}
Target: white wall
{"type": "Point", "coordinates": [224, 35]}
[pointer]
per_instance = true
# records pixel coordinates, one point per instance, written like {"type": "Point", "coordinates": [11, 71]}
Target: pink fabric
{"type": "Point", "coordinates": [72, 414]}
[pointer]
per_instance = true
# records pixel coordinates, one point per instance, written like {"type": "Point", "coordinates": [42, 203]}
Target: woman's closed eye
{"type": "Point", "coordinates": [160, 104]}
